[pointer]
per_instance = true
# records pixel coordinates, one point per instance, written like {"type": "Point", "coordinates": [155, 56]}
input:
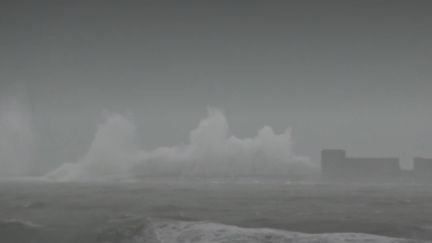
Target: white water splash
{"type": "Point", "coordinates": [211, 152]}
{"type": "Point", "coordinates": [170, 231]}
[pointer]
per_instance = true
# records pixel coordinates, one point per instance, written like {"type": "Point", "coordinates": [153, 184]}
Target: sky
{"type": "Point", "coordinates": [355, 75]}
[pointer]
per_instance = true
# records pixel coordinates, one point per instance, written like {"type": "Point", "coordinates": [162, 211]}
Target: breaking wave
{"type": "Point", "coordinates": [136, 230]}
{"type": "Point", "coordinates": [211, 151]}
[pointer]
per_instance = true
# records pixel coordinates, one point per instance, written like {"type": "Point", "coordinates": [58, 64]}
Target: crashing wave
{"type": "Point", "coordinates": [136, 230]}
{"type": "Point", "coordinates": [211, 152]}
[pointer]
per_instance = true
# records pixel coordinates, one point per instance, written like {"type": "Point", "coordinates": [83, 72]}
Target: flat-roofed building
{"type": "Point", "coordinates": [336, 166]}
{"type": "Point", "coordinates": [423, 169]}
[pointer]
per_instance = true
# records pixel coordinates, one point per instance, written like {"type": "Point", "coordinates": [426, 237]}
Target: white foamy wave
{"type": "Point", "coordinates": [169, 231]}
{"type": "Point", "coordinates": [111, 154]}
{"type": "Point", "coordinates": [19, 223]}
{"type": "Point", "coordinates": [211, 152]}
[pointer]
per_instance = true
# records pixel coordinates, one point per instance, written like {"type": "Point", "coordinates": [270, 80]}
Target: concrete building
{"type": "Point", "coordinates": [336, 166]}
{"type": "Point", "coordinates": [423, 169]}
{"type": "Point", "coordinates": [333, 163]}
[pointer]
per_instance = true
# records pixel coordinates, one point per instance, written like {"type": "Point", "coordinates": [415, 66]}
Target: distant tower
{"type": "Point", "coordinates": [332, 162]}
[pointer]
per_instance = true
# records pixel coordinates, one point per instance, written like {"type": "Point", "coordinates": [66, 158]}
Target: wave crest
{"type": "Point", "coordinates": [137, 230]}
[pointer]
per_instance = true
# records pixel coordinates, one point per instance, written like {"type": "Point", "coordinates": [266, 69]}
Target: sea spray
{"type": "Point", "coordinates": [211, 151]}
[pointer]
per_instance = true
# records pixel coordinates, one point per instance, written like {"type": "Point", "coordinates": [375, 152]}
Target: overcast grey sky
{"type": "Point", "coordinates": [343, 74]}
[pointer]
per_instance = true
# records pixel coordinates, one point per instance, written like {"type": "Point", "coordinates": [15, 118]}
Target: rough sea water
{"type": "Point", "coordinates": [164, 211]}
{"type": "Point", "coordinates": [146, 230]}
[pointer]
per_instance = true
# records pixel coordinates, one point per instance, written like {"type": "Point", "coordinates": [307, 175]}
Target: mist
{"type": "Point", "coordinates": [211, 151]}
{"type": "Point", "coordinates": [16, 138]}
